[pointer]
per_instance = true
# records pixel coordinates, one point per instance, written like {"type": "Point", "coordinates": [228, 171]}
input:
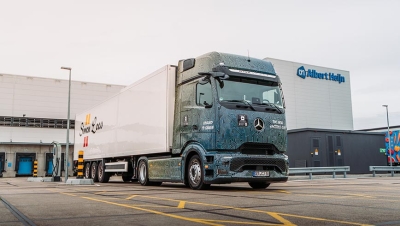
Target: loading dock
{"type": "Point", "coordinates": [24, 163]}
{"type": "Point", "coordinates": [2, 160]}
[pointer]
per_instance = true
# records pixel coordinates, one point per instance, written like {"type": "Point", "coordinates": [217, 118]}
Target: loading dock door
{"type": "Point", "coordinates": [1, 165]}
{"type": "Point", "coordinates": [2, 162]}
{"type": "Point", "coordinates": [25, 165]}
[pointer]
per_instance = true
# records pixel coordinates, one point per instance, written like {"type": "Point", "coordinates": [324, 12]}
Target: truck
{"type": "Point", "coordinates": [215, 119]}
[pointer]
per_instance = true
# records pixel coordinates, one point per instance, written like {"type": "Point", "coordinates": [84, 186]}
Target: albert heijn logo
{"type": "Point", "coordinates": [303, 73]}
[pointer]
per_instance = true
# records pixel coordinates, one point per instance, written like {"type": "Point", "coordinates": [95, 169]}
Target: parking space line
{"type": "Point", "coordinates": [240, 222]}
{"type": "Point", "coordinates": [67, 194]}
{"type": "Point", "coordinates": [181, 205]}
{"type": "Point", "coordinates": [323, 219]}
{"type": "Point", "coordinates": [278, 218]}
{"type": "Point", "coordinates": [131, 197]}
{"type": "Point", "coordinates": [155, 212]}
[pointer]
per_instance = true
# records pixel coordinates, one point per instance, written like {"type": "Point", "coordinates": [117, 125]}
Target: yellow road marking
{"type": "Point", "coordinates": [275, 215]}
{"type": "Point", "coordinates": [239, 222]}
{"type": "Point", "coordinates": [131, 197]}
{"type": "Point", "coordinates": [67, 194]}
{"type": "Point", "coordinates": [181, 205]}
{"type": "Point", "coordinates": [227, 207]}
{"type": "Point", "coordinates": [155, 212]}
{"type": "Point", "coordinates": [322, 219]}
{"type": "Point", "coordinates": [361, 195]}
{"type": "Point", "coordinates": [281, 219]}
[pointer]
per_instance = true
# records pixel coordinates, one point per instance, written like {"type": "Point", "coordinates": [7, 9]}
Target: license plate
{"type": "Point", "coordinates": [261, 174]}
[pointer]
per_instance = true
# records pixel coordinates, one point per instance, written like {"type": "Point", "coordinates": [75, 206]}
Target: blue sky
{"type": "Point", "coordinates": [118, 42]}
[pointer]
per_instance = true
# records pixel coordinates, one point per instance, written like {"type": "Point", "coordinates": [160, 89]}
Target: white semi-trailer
{"type": "Point", "coordinates": [218, 118]}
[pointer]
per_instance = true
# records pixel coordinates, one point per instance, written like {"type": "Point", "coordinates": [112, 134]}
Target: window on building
{"type": "Point", "coordinates": [35, 122]}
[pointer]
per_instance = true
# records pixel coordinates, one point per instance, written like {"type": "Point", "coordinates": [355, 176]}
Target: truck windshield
{"type": "Point", "coordinates": [252, 91]}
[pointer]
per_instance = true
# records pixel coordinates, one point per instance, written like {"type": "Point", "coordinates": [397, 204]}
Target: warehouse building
{"type": "Point", "coordinates": [320, 120]}
{"type": "Point", "coordinates": [33, 114]}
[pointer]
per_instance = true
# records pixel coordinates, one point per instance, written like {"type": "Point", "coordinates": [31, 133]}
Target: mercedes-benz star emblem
{"type": "Point", "coordinates": [258, 124]}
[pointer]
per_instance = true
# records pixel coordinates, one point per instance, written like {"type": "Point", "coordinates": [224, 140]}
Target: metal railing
{"type": "Point", "coordinates": [311, 170]}
{"type": "Point", "coordinates": [383, 168]}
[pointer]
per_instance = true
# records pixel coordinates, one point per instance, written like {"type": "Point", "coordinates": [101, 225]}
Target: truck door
{"type": "Point", "coordinates": [198, 114]}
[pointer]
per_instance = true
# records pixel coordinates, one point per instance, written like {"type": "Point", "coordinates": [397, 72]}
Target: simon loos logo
{"type": "Point", "coordinates": [89, 127]}
{"type": "Point", "coordinates": [303, 73]}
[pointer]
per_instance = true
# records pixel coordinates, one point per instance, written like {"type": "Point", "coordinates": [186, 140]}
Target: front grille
{"type": "Point", "coordinates": [237, 164]}
{"type": "Point", "coordinates": [258, 149]}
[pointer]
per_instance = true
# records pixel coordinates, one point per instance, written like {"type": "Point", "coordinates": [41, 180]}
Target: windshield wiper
{"type": "Point", "coordinates": [273, 105]}
{"type": "Point", "coordinates": [242, 101]}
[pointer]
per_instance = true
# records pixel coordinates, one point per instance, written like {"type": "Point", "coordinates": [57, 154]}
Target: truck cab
{"type": "Point", "coordinates": [229, 122]}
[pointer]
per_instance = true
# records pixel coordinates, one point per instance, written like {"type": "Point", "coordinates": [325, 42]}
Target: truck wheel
{"type": "Point", "coordinates": [87, 170]}
{"type": "Point", "coordinates": [142, 174]}
{"type": "Point", "coordinates": [259, 185]}
{"type": "Point", "coordinates": [93, 172]}
{"type": "Point", "coordinates": [195, 175]}
{"type": "Point", "coordinates": [102, 176]}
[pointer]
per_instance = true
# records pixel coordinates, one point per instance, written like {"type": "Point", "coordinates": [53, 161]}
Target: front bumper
{"type": "Point", "coordinates": [227, 168]}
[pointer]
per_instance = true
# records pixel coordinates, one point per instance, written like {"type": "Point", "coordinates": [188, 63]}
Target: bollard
{"type": "Point", "coordinates": [35, 168]}
{"type": "Point", "coordinates": [80, 165]}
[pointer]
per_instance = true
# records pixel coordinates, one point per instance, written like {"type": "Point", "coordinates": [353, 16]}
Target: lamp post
{"type": "Point", "coordinates": [67, 145]}
{"type": "Point", "coordinates": [390, 153]}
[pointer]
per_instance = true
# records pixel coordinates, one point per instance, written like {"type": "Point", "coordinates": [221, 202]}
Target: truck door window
{"type": "Point", "coordinates": [204, 95]}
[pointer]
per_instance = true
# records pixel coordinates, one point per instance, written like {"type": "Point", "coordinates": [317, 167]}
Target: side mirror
{"type": "Point", "coordinates": [204, 81]}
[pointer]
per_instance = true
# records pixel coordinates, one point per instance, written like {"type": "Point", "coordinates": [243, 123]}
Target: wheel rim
{"type": "Point", "coordinates": [195, 172]}
{"type": "Point", "coordinates": [142, 172]}
{"type": "Point", "coordinates": [87, 170]}
{"type": "Point", "coordinates": [93, 170]}
{"type": "Point", "coordinates": [100, 169]}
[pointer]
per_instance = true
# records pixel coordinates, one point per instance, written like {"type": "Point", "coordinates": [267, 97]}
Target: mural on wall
{"type": "Point", "coordinates": [393, 152]}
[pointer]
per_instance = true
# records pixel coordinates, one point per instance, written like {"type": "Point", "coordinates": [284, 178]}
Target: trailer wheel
{"type": "Point", "coordinates": [102, 176]}
{"type": "Point", "coordinates": [87, 170]}
{"type": "Point", "coordinates": [195, 175]}
{"type": "Point", "coordinates": [93, 172]}
{"type": "Point", "coordinates": [142, 174]}
{"type": "Point", "coordinates": [259, 185]}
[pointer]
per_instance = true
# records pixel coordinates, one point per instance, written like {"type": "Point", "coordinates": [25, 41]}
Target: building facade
{"type": "Point", "coordinates": [33, 114]}
{"type": "Point", "coordinates": [316, 97]}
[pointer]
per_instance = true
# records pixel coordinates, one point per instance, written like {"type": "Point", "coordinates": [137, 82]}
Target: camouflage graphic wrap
{"type": "Point", "coordinates": [215, 134]}
{"type": "Point", "coordinates": [165, 169]}
{"type": "Point", "coordinates": [230, 136]}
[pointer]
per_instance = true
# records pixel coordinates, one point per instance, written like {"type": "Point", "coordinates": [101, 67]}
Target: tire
{"type": "Point", "coordinates": [103, 177]}
{"type": "Point", "coordinates": [195, 174]}
{"type": "Point", "coordinates": [259, 185]}
{"type": "Point", "coordinates": [87, 171]}
{"type": "Point", "coordinates": [143, 177]}
{"type": "Point", "coordinates": [93, 172]}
